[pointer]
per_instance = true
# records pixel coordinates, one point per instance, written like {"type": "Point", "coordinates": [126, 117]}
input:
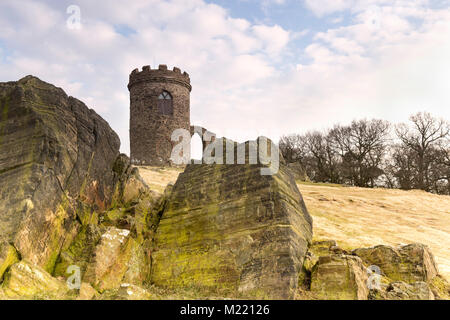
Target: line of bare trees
{"type": "Point", "coordinates": [375, 153]}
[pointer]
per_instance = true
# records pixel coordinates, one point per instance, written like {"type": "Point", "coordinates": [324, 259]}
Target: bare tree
{"type": "Point", "coordinates": [401, 168]}
{"type": "Point", "coordinates": [294, 151]}
{"type": "Point", "coordinates": [441, 172]}
{"type": "Point", "coordinates": [362, 146]}
{"type": "Point", "coordinates": [421, 139]}
{"type": "Point", "coordinates": [364, 154]}
{"type": "Point", "coordinates": [322, 163]}
{"type": "Point", "coordinates": [292, 147]}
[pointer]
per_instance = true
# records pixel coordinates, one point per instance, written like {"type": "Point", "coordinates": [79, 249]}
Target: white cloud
{"type": "Point", "coordinates": [222, 54]}
{"type": "Point", "coordinates": [389, 68]}
{"type": "Point", "coordinates": [324, 7]}
{"type": "Point", "coordinates": [274, 38]}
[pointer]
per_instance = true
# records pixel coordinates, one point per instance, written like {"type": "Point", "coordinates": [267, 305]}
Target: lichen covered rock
{"type": "Point", "coordinates": [339, 277]}
{"type": "Point", "coordinates": [106, 269]}
{"type": "Point", "coordinates": [440, 288]}
{"type": "Point", "coordinates": [87, 292]}
{"type": "Point", "coordinates": [400, 290]}
{"type": "Point", "coordinates": [81, 250]}
{"type": "Point", "coordinates": [26, 281]}
{"type": "Point", "coordinates": [8, 256]}
{"type": "Point", "coordinates": [231, 230]}
{"type": "Point", "coordinates": [54, 153]}
{"type": "Point", "coordinates": [377, 273]}
{"type": "Point", "coordinates": [409, 263]}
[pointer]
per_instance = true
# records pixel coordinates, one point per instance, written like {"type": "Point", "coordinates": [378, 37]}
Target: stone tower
{"type": "Point", "coordinates": [159, 104]}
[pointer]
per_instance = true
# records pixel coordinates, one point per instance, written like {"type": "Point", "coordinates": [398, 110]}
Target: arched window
{"type": "Point", "coordinates": [165, 103]}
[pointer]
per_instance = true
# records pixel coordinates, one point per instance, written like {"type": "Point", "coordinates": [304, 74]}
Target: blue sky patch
{"type": "Point", "coordinates": [124, 30]}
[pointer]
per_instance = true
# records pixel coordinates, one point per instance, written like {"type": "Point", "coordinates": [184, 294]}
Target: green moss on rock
{"type": "Point", "coordinates": [8, 257]}
{"type": "Point", "coordinates": [26, 281]}
{"type": "Point", "coordinates": [80, 251]}
{"type": "Point", "coordinates": [339, 277]}
{"type": "Point", "coordinates": [409, 263]}
{"type": "Point", "coordinates": [227, 229]}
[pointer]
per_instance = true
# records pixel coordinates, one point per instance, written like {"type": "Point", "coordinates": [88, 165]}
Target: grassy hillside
{"type": "Point", "coordinates": [358, 217]}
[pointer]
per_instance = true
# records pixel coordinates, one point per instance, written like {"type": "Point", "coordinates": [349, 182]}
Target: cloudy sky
{"type": "Point", "coordinates": [266, 67]}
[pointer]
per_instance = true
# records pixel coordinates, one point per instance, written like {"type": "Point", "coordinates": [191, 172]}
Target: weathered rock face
{"type": "Point", "coordinates": [403, 291]}
{"type": "Point", "coordinates": [55, 154]}
{"type": "Point", "coordinates": [113, 246]}
{"type": "Point", "coordinates": [117, 258]}
{"type": "Point", "coordinates": [67, 198]}
{"type": "Point", "coordinates": [339, 277]}
{"type": "Point", "coordinates": [8, 256]}
{"type": "Point", "coordinates": [229, 229]}
{"type": "Point", "coordinates": [404, 273]}
{"type": "Point", "coordinates": [87, 292]}
{"type": "Point", "coordinates": [408, 263]}
{"type": "Point", "coordinates": [26, 281]}
{"type": "Point", "coordinates": [410, 271]}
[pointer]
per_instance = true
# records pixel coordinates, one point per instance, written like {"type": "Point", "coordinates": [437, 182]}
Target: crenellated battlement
{"type": "Point", "coordinates": [162, 74]}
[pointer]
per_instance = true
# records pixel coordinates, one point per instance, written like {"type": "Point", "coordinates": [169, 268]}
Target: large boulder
{"type": "Point", "coordinates": [27, 281]}
{"type": "Point", "coordinates": [117, 258]}
{"type": "Point", "coordinates": [410, 271]}
{"type": "Point", "coordinates": [55, 153]}
{"type": "Point", "coordinates": [377, 273]}
{"type": "Point", "coordinates": [408, 263]}
{"type": "Point", "coordinates": [339, 277]}
{"type": "Point", "coordinates": [228, 229]}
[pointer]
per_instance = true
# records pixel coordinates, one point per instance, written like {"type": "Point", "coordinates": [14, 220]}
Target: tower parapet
{"type": "Point", "coordinates": [162, 73]}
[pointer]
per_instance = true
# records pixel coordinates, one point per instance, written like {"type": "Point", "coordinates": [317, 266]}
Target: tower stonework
{"type": "Point", "coordinates": [159, 104]}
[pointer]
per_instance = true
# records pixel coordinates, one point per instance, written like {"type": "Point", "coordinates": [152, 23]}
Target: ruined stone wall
{"type": "Point", "coordinates": [150, 130]}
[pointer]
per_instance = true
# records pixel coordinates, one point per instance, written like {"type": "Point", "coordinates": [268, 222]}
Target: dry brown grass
{"type": "Point", "coordinates": [159, 177]}
{"type": "Point", "coordinates": [358, 217]}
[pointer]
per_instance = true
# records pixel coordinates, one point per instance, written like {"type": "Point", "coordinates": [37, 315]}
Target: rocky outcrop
{"type": "Point", "coordinates": [339, 277]}
{"type": "Point", "coordinates": [403, 291]}
{"type": "Point", "coordinates": [229, 229]}
{"type": "Point", "coordinates": [55, 153]}
{"type": "Point", "coordinates": [409, 263]}
{"type": "Point", "coordinates": [410, 271]}
{"type": "Point", "coordinates": [116, 259]}
{"type": "Point", "coordinates": [27, 281]}
{"type": "Point", "coordinates": [113, 246]}
{"type": "Point", "coordinates": [377, 273]}
{"type": "Point", "coordinates": [69, 201]}
{"type": "Point", "coordinates": [65, 191]}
